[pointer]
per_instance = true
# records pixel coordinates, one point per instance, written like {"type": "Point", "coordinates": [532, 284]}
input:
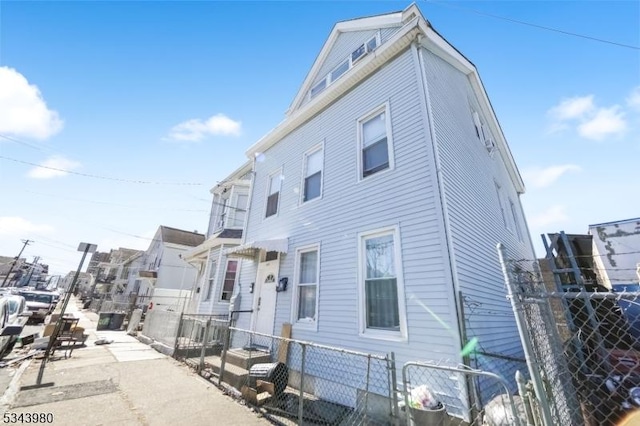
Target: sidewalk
{"type": "Point", "coordinates": [124, 383]}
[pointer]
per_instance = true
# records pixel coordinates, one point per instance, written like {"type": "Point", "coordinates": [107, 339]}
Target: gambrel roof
{"type": "Point", "coordinates": [400, 29]}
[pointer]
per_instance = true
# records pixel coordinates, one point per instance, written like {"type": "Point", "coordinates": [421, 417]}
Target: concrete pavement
{"type": "Point", "coordinates": [123, 383]}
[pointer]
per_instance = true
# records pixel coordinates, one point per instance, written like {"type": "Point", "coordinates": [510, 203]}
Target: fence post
{"type": "Point", "coordinates": [225, 347]}
{"type": "Point", "coordinates": [205, 338]}
{"type": "Point", "coordinates": [366, 390]}
{"type": "Point", "coordinates": [532, 362]}
{"type": "Point", "coordinates": [395, 410]}
{"type": "Point", "coordinates": [301, 397]}
{"type": "Point", "coordinates": [177, 342]}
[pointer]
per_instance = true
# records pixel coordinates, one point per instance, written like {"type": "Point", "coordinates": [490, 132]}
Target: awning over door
{"type": "Point", "coordinates": [249, 249]}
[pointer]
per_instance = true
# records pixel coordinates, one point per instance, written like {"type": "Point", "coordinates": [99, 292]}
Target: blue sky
{"type": "Point", "coordinates": [174, 93]}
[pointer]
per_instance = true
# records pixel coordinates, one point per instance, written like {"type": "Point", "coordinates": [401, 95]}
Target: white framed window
{"type": "Point", "coordinates": [501, 204]}
{"type": "Point", "coordinates": [307, 279]}
{"type": "Point", "coordinates": [312, 174]}
{"type": "Point", "coordinates": [339, 70]}
{"type": "Point", "coordinates": [224, 211]}
{"type": "Point", "coordinates": [375, 145]}
{"type": "Point", "coordinates": [230, 275]}
{"type": "Point", "coordinates": [516, 222]}
{"type": "Point", "coordinates": [211, 281]}
{"type": "Point", "coordinates": [381, 285]}
{"type": "Point", "coordinates": [240, 210]}
{"type": "Point", "coordinates": [273, 193]}
{"type": "Point", "coordinates": [319, 87]}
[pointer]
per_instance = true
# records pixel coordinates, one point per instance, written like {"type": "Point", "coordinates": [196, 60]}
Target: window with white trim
{"type": "Point", "coordinates": [229, 282]}
{"type": "Point", "coordinates": [501, 205]}
{"type": "Point", "coordinates": [344, 66]}
{"type": "Point", "coordinates": [375, 146]}
{"type": "Point", "coordinates": [516, 222]}
{"type": "Point", "coordinates": [307, 278]}
{"type": "Point", "coordinates": [380, 281]}
{"type": "Point", "coordinates": [211, 281]}
{"type": "Point", "coordinates": [312, 187]}
{"type": "Point", "coordinates": [273, 195]}
{"type": "Point", "coordinates": [240, 211]}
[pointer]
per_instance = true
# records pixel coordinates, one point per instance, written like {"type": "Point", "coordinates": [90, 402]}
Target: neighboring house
{"type": "Point", "coordinates": [83, 285]}
{"type": "Point", "coordinates": [165, 277]}
{"type": "Point", "coordinates": [377, 204]}
{"type": "Point", "coordinates": [616, 252]}
{"type": "Point", "coordinates": [217, 275]}
{"type": "Point", "coordinates": [122, 268]}
{"type": "Point", "coordinates": [94, 263]}
{"type": "Point", "coordinates": [109, 273]}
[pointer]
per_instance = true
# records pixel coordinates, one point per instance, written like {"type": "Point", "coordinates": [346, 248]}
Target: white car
{"type": "Point", "coordinates": [39, 303]}
{"type": "Point", "coordinates": [14, 308]}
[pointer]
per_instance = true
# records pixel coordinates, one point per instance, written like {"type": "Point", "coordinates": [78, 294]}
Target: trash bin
{"type": "Point", "coordinates": [116, 321]}
{"type": "Point", "coordinates": [428, 417]}
{"type": "Point", "coordinates": [275, 372]}
{"type": "Point", "coordinates": [104, 321]}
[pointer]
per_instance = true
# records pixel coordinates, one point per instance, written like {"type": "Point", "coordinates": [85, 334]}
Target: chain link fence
{"type": "Point", "coordinates": [436, 394]}
{"type": "Point", "coordinates": [582, 342]}
{"type": "Point", "coordinates": [296, 382]}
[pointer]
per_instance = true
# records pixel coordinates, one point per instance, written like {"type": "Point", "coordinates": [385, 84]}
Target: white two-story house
{"type": "Point", "coordinates": [165, 278]}
{"type": "Point", "coordinates": [215, 283]}
{"type": "Point", "coordinates": [377, 204]}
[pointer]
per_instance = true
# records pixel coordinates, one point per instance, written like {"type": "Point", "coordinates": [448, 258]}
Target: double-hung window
{"type": "Point", "coordinates": [240, 210]}
{"type": "Point", "coordinates": [273, 194]}
{"type": "Point", "coordinates": [375, 143]}
{"type": "Point", "coordinates": [381, 282]}
{"type": "Point", "coordinates": [308, 261]}
{"type": "Point", "coordinates": [229, 280]}
{"type": "Point", "coordinates": [211, 281]}
{"type": "Point", "coordinates": [516, 222]}
{"type": "Point", "coordinates": [312, 175]}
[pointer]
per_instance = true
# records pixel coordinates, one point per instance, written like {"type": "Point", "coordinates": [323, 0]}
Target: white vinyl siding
{"type": "Point", "coordinates": [375, 145]}
{"type": "Point", "coordinates": [312, 185]}
{"type": "Point", "coordinates": [476, 189]}
{"type": "Point", "coordinates": [406, 196]}
{"type": "Point", "coordinates": [306, 285]}
{"type": "Point", "coordinates": [516, 222]}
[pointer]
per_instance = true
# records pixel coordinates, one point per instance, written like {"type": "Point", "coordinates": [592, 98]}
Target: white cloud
{"type": "Point", "coordinates": [14, 225]}
{"type": "Point", "coordinates": [553, 215]}
{"type": "Point", "coordinates": [196, 129]}
{"type": "Point", "coordinates": [53, 167]}
{"type": "Point", "coordinates": [23, 111]}
{"type": "Point", "coordinates": [605, 122]}
{"type": "Point", "coordinates": [590, 121]}
{"type": "Point", "coordinates": [539, 177]}
{"type": "Point", "coordinates": [633, 101]}
{"type": "Point", "coordinates": [572, 108]}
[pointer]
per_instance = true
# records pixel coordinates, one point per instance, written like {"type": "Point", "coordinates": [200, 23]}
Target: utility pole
{"type": "Point", "coordinates": [26, 243]}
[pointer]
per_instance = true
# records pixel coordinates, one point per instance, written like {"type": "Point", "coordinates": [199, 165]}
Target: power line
{"type": "Point", "coordinates": [542, 27]}
{"type": "Point", "coordinates": [114, 204]}
{"type": "Point", "coordinates": [98, 176]}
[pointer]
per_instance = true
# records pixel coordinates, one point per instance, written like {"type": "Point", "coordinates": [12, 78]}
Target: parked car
{"type": "Point", "coordinates": [17, 317]}
{"type": "Point", "coordinates": [5, 339]}
{"type": "Point", "coordinates": [39, 303]}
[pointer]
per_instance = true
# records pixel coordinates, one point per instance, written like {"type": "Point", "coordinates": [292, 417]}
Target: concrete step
{"type": "Point", "coordinates": [233, 375]}
{"type": "Point", "coordinates": [246, 359]}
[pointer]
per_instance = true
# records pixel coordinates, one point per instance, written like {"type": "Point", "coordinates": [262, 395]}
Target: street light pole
{"type": "Point", "coordinates": [85, 248]}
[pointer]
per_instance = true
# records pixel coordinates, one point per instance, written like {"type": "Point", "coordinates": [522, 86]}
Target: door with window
{"type": "Point", "coordinates": [264, 303]}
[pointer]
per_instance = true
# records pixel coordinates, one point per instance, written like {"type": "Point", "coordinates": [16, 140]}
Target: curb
{"type": "Point", "coordinates": [13, 388]}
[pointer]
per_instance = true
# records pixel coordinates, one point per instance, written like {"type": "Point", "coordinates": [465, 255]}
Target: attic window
{"type": "Point", "coordinates": [318, 87]}
{"type": "Point", "coordinates": [358, 53]}
{"type": "Point", "coordinates": [340, 69]}
{"type": "Point", "coordinates": [344, 66]}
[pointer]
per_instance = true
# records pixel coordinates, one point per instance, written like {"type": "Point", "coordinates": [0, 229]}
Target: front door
{"type": "Point", "coordinates": [264, 303]}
